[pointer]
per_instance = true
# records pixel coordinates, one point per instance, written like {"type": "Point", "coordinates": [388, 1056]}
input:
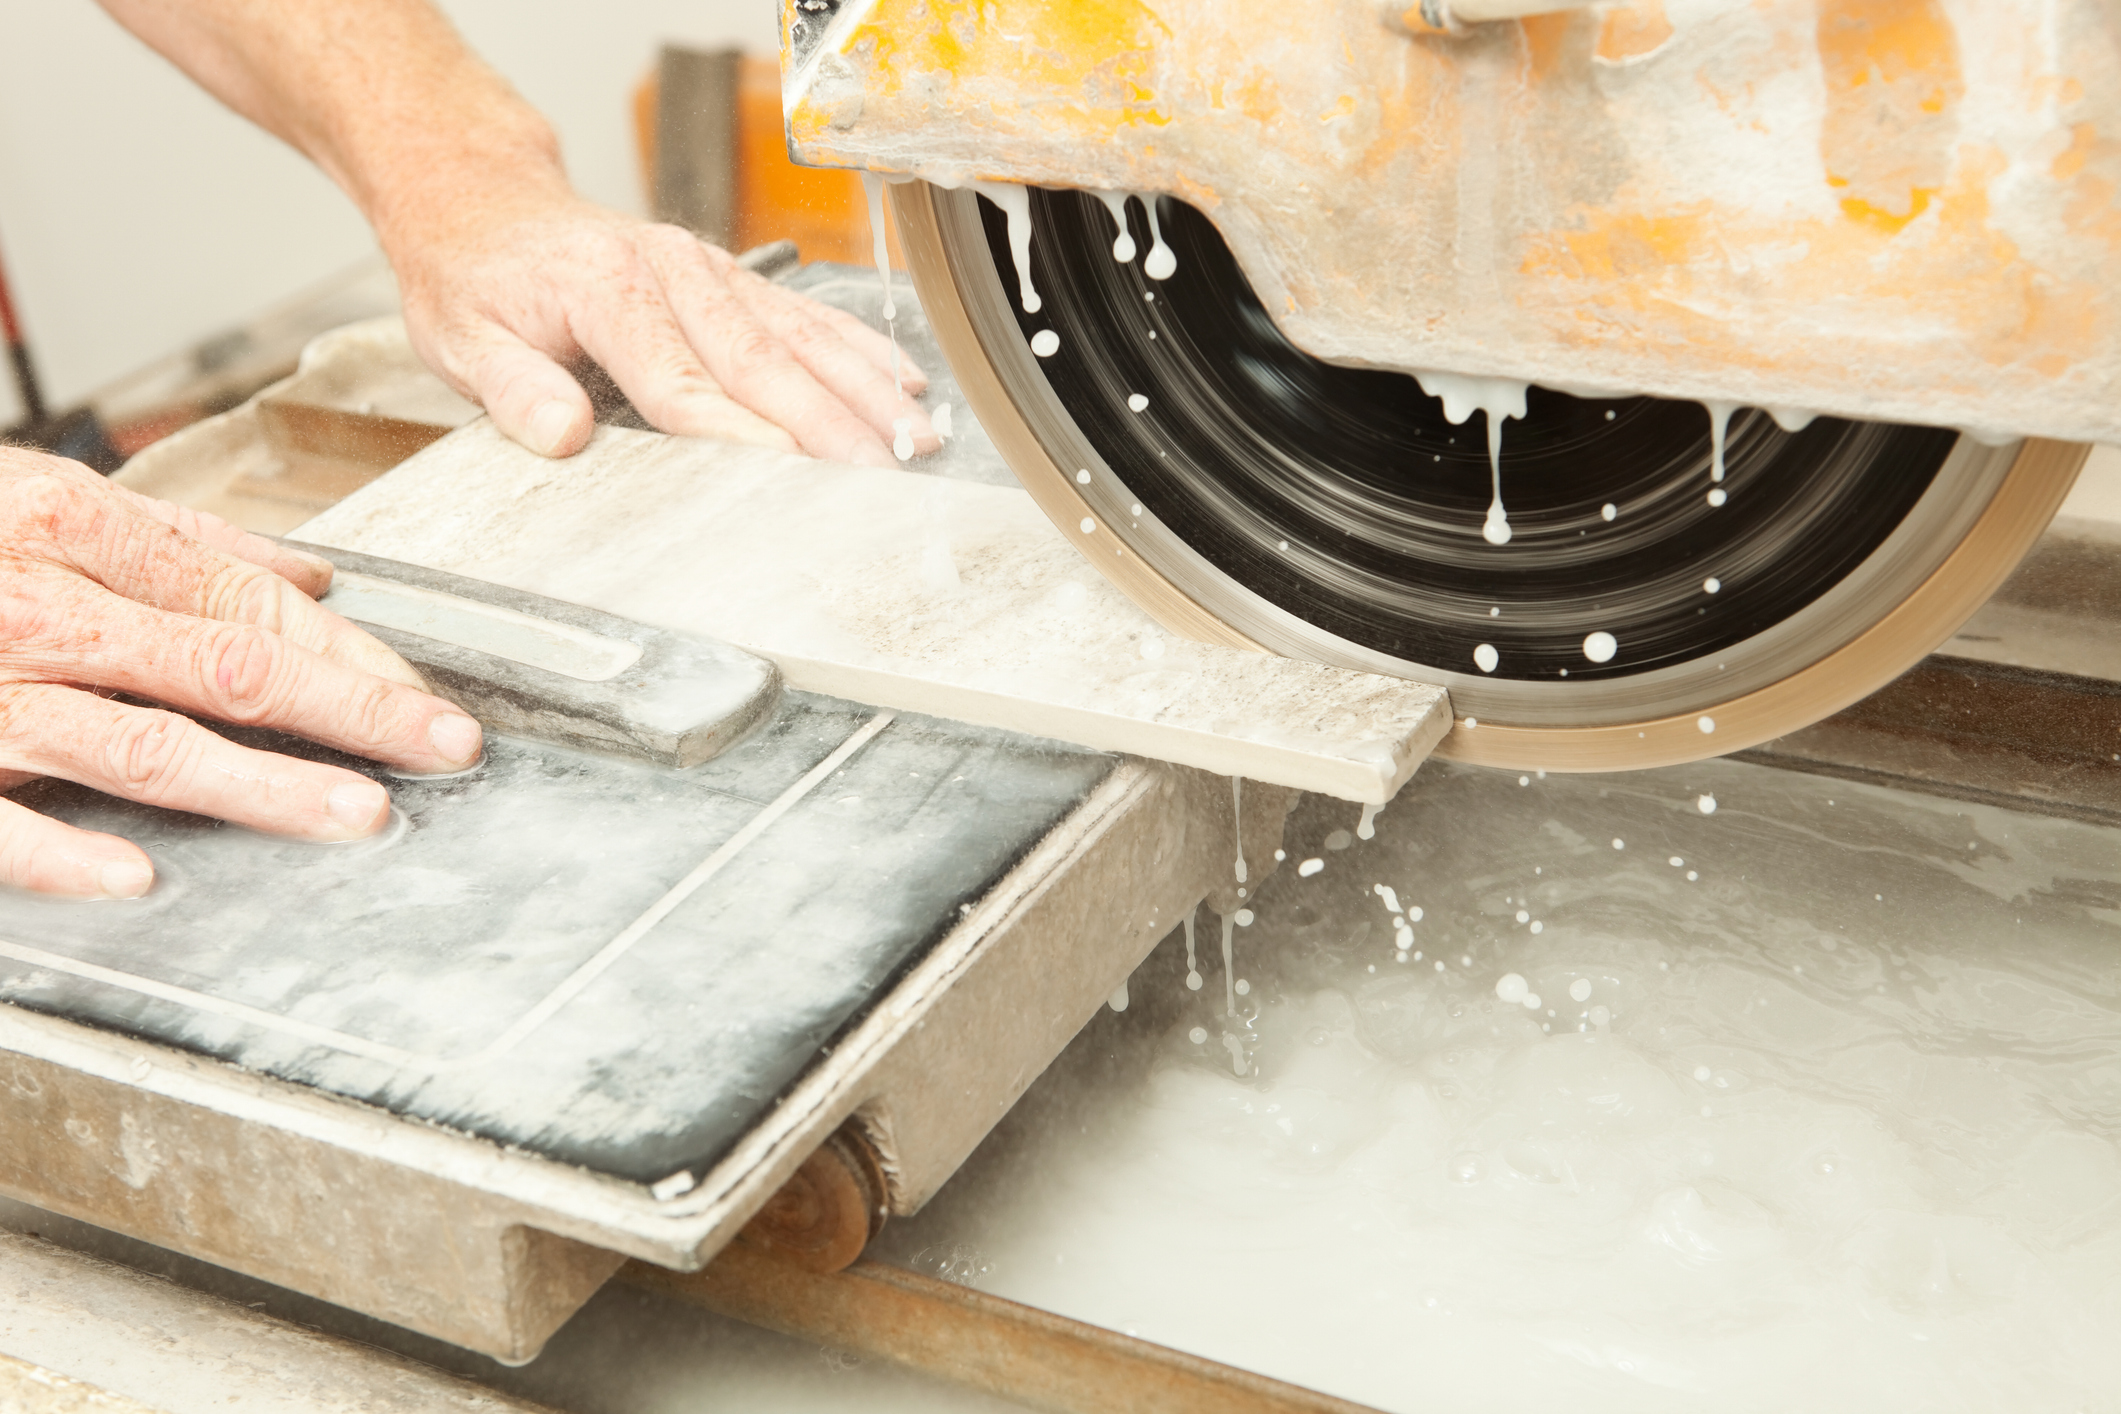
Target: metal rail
{"type": "Point", "coordinates": [968, 1337]}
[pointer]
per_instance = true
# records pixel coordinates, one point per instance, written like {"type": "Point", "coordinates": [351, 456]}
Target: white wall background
{"type": "Point", "coordinates": [137, 215]}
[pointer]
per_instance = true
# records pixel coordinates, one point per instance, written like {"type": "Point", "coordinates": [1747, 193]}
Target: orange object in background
{"type": "Point", "coordinates": [823, 210]}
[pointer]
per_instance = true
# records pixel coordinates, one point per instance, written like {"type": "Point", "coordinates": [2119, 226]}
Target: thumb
{"type": "Point", "coordinates": [531, 398]}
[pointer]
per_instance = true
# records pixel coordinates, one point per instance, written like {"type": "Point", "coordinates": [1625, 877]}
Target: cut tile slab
{"type": "Point", "coordinates": [887, 587]}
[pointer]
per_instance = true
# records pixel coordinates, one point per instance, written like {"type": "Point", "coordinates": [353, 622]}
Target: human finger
{"type": "Point", "coordinates": [309, 573]}
{"type": "Point", "coordinates": [161, 758]}
{"type": "Point", "coordinates": [241, 673]}
{"type": "Point", "coordinates": [530, 397]}
{"type": "Point", "coordinates": [821, 348]}
{"type": "Point", "coordinates": [146, 558]}
{"type": "Point", "coordinates": [49, 856]}
{"type": "Point", "coordinates": [877, 348]}
{"type": "Point", "coordinates": [635, 336]}
{"type": "Point", "coordinates": [749, 361]}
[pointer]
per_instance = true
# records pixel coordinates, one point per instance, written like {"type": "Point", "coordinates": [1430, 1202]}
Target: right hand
{"type": "Point", "coordinates": [104, 591]}
{"type": "Point", "coordinates": [508, 286]}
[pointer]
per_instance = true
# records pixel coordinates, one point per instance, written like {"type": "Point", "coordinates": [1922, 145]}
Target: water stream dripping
{"type": "Point", "coordinates": [1162, 262]}
{"type": "Point", "coordinates": [1229, 965]}
{"type": "Point", "coordinates": [1116, 203]}
{"type": "Point", "coordinates": [1015, 204]}
{"type": "Point", "coordinates": [1500, 399]}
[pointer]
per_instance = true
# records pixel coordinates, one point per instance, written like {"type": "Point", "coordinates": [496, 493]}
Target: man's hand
{"type": "Point", "coordinates": [105, 591]}
{"type": "Point", "coordinates": [507, 289]}
{"type": "Point", "coordinates": [509, 278]}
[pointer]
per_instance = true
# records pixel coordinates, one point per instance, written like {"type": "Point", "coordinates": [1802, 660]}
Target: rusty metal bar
{"type": "Point", "coordinates": [971, 1338]}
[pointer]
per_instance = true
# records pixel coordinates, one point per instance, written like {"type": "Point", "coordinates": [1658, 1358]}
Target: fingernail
{"type": "Point", "coordinates": [321, 570]}
{"type": "Point", "coordinates": [549, 426]}
{"type": "Point", "coordinates": [125, 878]}
{"type": "Point", "coordinates": [358, 805]}
{"type": "Point", "coordinates": [873, 454]}
{"type": "Point", "coordinates": [454, 736]}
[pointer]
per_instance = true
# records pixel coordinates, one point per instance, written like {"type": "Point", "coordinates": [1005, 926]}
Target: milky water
{"type": "Point", "coordinates": [879, 241]}
{"type": "Point", "coordinates": [1498, 399]}
{"type": "Point", "coordinates": [1015, 204]}
{"type": "Point", "coordinates": [1817, 1109]}
{"type": "Point", "coordinates": [1719, 428]}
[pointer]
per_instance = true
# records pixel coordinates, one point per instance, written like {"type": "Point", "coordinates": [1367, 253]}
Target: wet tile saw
{"type": "Point", "coordinates": [1816, 299]}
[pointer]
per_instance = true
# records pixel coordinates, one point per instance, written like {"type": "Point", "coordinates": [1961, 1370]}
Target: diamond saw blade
{"type": "Point", "coordinates": [1244, 492]}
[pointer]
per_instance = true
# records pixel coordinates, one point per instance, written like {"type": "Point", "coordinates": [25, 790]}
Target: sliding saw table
{"type": "Point", "coordinates": [847, 804]}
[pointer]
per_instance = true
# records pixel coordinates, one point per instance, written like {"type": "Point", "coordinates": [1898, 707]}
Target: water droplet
{"type": "Point", "coordinates": [1137, 401]}
{"type": "Point", "coordinates": [1712, 585]}
{"type": "Point", "coordinates": [1485, 657]}
{"type": "Point", "coordinates": [1309, 867]}
{"type": "Point", "coordinates": [1609, 510]}
{"type": "Point", "coordinates": [1706, 804]}
{"type": "Point", "coordinates": [1580, 990]}
{"type": "Point", "coordinates": [1198, 1035]}
{"type": "Point", "coordinates": [1600, 647]}
{"type": "Point", "coordinates": [1089, 525]}
{"type": "Point", "coordinates": [1045, 343]}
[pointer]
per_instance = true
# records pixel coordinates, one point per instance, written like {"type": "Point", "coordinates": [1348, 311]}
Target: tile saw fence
{"type": "Point", "coordinates": [817, 906]}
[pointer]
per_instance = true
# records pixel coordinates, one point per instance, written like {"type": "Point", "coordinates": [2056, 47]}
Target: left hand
{"type": "Point", "coordinates": [502, 298]}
